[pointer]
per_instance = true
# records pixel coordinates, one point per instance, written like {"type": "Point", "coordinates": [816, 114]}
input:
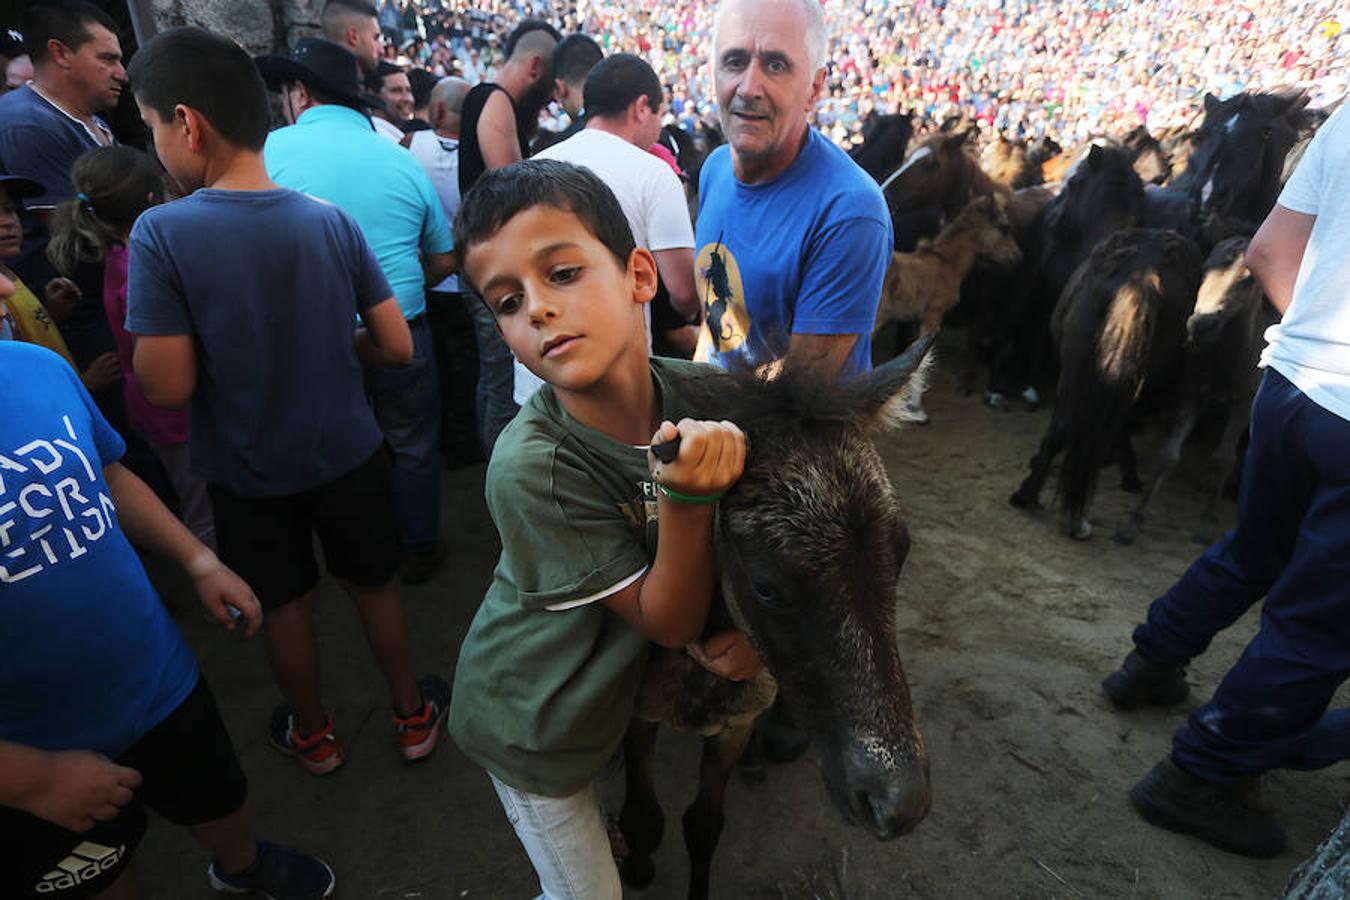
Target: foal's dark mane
{"type": "Point", "coordinates": [795, 400]}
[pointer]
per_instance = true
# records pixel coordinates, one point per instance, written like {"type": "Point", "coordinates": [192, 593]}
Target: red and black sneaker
{"type": "Point", "coordinates": [319, 753]}
{"type": "Point", "coordinates": [417, 734]}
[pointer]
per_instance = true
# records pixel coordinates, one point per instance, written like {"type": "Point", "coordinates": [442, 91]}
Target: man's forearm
{"type": "Point", "coordinates": [825, 354]}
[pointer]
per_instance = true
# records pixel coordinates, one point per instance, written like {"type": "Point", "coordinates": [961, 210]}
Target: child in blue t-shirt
{"type": "Point", "coordinates": [243, 298]}
{"type": "Point", "coordinates": [103, 711]}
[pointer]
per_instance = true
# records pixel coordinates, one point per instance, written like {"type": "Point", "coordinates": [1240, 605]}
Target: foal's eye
{"type": "Point", "coordinates": [767, 595]}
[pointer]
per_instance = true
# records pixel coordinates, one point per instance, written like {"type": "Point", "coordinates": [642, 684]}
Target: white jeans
{"type": "Point", "coordinates": [566, 841]}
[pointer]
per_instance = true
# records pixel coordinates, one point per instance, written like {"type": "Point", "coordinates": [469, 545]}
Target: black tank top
{"type": "Point", "coordinates": [471, 165]}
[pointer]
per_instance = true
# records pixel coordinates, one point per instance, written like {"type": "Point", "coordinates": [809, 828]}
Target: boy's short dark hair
{"type": "Point", "coordinates": [208, 73]}
{"type": "Point", "coordinates": [502, 194]}
{"type": "Point", "coordinates": [574, 57]}
{"type": "Point", "coordinates": [618, 80]}
{"type": "Point", "coordinates": [526, 27]}
{"type": "Point", "coordinates": [67, 21]}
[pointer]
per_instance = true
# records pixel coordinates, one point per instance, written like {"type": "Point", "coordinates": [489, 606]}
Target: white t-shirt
{"type": "Point", "coordinates": [440, 157]}
{"type": "Point", "coordinates": [386, 129]}
{"type": "Point", "coordinates": [650, 193]}
{"type": "Point", "coordinates": [1311, 345]}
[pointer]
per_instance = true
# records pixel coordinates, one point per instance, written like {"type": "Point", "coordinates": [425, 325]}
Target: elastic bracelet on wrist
{"type": "Point", "coordinates": [689, 498]}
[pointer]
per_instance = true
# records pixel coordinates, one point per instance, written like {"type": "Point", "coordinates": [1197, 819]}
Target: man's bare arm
{"type": "Point", "coordinates": [825, 353]}
{"type": "Point", "coordinates": [497, 138]}
{"type": "Point", "coordinates": [676, 267]}
{"type": "Point", "coordinates": [1276, 252]}
{"type": "Point", "coordinates": [436, 267]}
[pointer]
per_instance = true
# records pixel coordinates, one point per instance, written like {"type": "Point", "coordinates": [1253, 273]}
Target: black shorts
{"type": "Point", "coordinates": [269, 541]}
{"type": "Point", "coordinates": [190, 775]}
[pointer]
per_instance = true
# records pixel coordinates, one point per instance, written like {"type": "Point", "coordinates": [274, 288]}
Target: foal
{"type": "Point", "coordinates": [925, 285]}
{"type": "Point", "coordinates": [810, 542]}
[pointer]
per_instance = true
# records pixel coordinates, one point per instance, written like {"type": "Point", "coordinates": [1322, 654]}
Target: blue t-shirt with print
{"type": "Point", "coordinates": [805, 253]}
{"type": "Point", "coordinates": [269, 285]}
{"type": "Point", "coordinates": [91, 660]}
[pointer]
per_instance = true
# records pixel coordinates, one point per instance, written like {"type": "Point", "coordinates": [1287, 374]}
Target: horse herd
{"type": "Point", "coordinates": [1127, 278]}
{"type": "Point", "coordinates": [1118, 265]}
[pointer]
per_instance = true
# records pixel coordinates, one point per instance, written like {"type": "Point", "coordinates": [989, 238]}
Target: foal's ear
{"type": "Point", "coordinates": [886, 390]}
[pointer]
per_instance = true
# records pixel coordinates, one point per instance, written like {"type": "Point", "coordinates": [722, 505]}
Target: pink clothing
{"type": "Point", "coordinates": [159, 426]}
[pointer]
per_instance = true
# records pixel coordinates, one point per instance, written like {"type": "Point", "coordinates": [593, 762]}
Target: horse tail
{"type": "Point", "coordinates": [1102, 376]}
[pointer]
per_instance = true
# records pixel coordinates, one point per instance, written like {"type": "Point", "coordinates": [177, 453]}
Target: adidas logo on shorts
{"type": "Point", "coordinates": [85, 863]}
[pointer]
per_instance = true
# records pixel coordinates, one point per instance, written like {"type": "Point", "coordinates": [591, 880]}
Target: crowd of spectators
{"type": "Point", "coordinates": [1020, 67]}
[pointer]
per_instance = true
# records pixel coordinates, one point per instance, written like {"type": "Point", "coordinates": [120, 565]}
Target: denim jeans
{"type": "Point", "coordinates": [566, 841]}
{"type": "Point", "coordinates": [1291, 546]}
{"type": "Point", "coordinates": [407, 401]}
{"type": "Point", "coordinates": [496, 375]}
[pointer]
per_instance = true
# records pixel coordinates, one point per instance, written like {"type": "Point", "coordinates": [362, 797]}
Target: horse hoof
{"type": "Point", "coordinates": [1082, 530]}
{"type": "Point", "coordinates": [1022, 501]}
{"type": "Point", "coordinates": [637, 873]}
{"type": "Point", "coordinates": [995, 400]}
{"type": "Point", "coordinates": [1124, 537]}
{"type": "Point", "coordinates": [1031, 397]}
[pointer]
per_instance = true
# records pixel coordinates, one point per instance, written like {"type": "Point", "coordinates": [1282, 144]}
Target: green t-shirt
{"type": "Point", "coordinates": [548, 675]}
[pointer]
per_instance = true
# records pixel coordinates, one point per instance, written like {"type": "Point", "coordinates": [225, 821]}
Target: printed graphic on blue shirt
{"type": "Point", "coordinates": [52, 504]}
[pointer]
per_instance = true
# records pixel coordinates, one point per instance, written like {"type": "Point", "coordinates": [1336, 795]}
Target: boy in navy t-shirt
{"type": "Point", "coordinates": [103, 711]}
{"type": "Point", "coordinates": [244, 298]}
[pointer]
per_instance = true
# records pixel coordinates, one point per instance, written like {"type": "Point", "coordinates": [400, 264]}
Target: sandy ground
{"type": "Point", "coordinates": [1006, 628]}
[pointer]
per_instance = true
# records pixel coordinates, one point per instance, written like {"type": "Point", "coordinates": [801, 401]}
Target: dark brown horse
{"type": "Point", "coordinates": [810, 543]}
{"type": "Point", "coordinates": [1102, 195]}
{"type": "Point", "coordinates": [1120, 327]}
{"type": "Point", "coordinates": [1234, 172]}
{"type": "Point", "coordinates": [1224, 337]}
{"type": "Point", "coordinates": [885, 138]}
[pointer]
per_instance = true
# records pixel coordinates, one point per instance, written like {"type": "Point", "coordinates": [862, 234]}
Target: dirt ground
{"type": "Point", "coordinates": [1006, 628]}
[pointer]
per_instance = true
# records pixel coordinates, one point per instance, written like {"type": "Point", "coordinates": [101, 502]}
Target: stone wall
{"type": "Point", "coordinates": [261, 26]}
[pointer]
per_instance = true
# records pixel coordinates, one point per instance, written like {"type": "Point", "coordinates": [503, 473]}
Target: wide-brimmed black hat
{"type": "Point", "coordinates": [322, 65]}
{"type": "Point", "coordinates": [21, 188]}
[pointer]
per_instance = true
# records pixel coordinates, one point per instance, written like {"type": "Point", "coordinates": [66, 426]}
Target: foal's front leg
{"type": "Point", "coordinates": [641, 820]}
{"type": "Point", "coordinates": [704, 819]}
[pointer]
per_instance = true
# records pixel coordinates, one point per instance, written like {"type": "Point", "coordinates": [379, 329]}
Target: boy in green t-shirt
{"type": "Point", "coordinates": [550, 669]}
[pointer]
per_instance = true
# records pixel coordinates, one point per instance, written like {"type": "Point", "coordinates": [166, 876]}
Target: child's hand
{"type": "Point", "coordinates": [102, 372]}
{"type": "Point", "coordinates": [728, 654]}
{"type": "Point", "coordinates": [711, 457]}
{"type": "Point", "coordinates": [83, 788]}
{"type": "Point", "coordinates": [60, 296]}
{"type": "Point", "coordinates": [224, 594]}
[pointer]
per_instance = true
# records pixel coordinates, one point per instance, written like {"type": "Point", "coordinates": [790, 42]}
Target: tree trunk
{"type": "Point", "coordinates": [261, 26]}
{"type": "Point", "coordinates": [1326, 874]}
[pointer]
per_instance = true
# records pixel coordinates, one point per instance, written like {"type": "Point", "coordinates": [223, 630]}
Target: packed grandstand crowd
{"type": "Point", "coordinates": [1024, 68]}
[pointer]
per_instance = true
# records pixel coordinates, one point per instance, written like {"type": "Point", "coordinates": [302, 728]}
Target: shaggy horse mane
{"type": "Point", "coordinates": [755, 400]}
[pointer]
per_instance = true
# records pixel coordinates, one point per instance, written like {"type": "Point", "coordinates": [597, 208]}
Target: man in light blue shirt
{"type": "Point", "coordinates": [332, 152]}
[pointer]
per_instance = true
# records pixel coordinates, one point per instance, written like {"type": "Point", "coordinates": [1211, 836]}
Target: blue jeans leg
{"type": "Point", "coordinates": [496, 375]}
{"type": "Point", "coordinates": [407, 401]}
{"type": "Point", "coordinates": [1240, 568]}
{"type": "Point", "coordinates": [1270, 710]}
{"type": "Point", "coordinates": [566, 842]}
